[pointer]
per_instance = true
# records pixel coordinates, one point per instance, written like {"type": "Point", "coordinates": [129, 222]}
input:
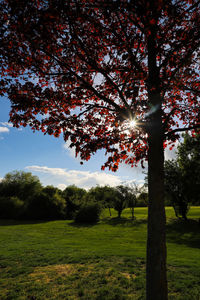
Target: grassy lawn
{"type": "Point", "coordinates": [106, 261]}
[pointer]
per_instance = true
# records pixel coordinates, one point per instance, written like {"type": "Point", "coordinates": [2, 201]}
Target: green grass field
{"type": "Point", "coordinates": [106, 261]}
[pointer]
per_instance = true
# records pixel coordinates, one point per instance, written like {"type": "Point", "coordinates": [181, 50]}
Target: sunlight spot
{"type": "Point", "coordinates": [132, 123]}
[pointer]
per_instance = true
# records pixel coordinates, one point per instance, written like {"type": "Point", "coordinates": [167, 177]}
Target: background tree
{"type": "Point", "coordinates": [123, 197]}
{"type": "Point", "coordinates": [142, 199]}
{"type": "Point", "coordinates": [92, 69]}
{"type": "Point", "coordinates": [103, 195]}
{"type": "Point", "coordinates": [182, 175]}
{"type": "Point", "coordinates": [47, 205]}
{"type": "Point", "coordinates": [132, 192]}
{"type": "Point", "coordinates": [11, 207]}
{"type": "Point", "coordinates": [20, 184]}
{"type": "Point", "coordinates": [176, 188]}
{"type": "Point", "coordinates": [73, 196]}
{"type": "Point", "coordinates": [120, 202]}
{"type": "Point", "coordinates": [188, 159]}
{"type": "Point", "coordinates": [17, 189]}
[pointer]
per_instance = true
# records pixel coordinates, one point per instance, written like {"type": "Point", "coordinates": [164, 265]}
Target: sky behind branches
{"type": "Point", "coordinates": [53, 161]}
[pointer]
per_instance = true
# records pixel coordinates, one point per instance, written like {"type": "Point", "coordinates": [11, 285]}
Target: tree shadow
{"type": "Point", "coordinates": [10, 222]}
{"type": "Point", "coordinates": [124, 221]}
{"type": "Point", "coordinates": [184, 232]}
{"type": "Point", "coordinates": [79, 225]}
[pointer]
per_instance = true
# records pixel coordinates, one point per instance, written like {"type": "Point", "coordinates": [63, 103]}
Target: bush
{"type": "Point", "coordinates": [11, 207]}
{"type": "Point", "coordinates": [46, 206]}
{"type": "Point", "coordinates": [74, 198]}
{"type": "Point", "coordinates": [88, 213]}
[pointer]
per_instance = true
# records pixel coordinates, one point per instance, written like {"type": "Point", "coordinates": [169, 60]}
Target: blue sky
{"type": "Point", "coordinates": [51, 160]}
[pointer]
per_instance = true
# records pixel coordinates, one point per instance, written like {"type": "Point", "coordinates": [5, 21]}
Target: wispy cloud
{"type": "Point", "coordinates": [7, 124]}
{"type": "Point", "coordinates": [43, 169]}
{"type": "Point", "coordinates": [4, 129]}
{"type": "Point", "coordinates": [85, 179]}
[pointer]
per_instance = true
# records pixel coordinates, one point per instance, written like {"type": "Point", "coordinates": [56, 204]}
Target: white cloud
{"type": "Point", "coordinates": [7, 124]}
{"type": "Point", "coordinates": [1, 179]}
{"type": "Point", "coordinates": [4, 129]}
{"type": "Point", "coordinates": [85, 179]}
{"type": "Point", "coordinates": [140, 181]}
{"type": "Point", "coordinates": [43, 169]}
{"type": "Point", "coordinates": [62, 186]}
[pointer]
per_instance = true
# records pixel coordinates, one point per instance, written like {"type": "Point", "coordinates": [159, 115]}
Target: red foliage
{"type": "Point", "coordinates": [81, 68]}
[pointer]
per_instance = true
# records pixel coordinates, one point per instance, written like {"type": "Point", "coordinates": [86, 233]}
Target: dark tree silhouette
{"type": "Point", "coordinates": [88, 69]}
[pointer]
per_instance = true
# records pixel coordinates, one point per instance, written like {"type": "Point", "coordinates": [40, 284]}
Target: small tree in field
{"type": "Point", "coordinates": [120, 201]}
{"type": "Point", "coordinates": [175, 188]}
{"type": "Point", "coordinates": [118, 75]}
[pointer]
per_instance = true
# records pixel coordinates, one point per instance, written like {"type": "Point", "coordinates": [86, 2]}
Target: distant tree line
{"type": "Point", "coordinates": [22, 196]}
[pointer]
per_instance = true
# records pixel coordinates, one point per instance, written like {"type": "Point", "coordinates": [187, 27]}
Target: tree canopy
{"type": "Point", "coordinates": [20, 184]}
{"type": "Point", "coordinates": [83, 68]}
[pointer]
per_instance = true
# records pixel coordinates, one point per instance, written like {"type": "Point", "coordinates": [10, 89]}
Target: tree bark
{"type": "Point", "coordinates": [156, 280]}
{"type": "Point", "coordinates": [156, 275]}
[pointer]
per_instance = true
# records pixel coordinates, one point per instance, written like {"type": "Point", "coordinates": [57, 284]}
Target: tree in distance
{"type": "Point", "coordinates": [48, 204]}
{"type": "Point", "coordinates": [20, 184]}
{"type": "Point", "coordinates": [182, 176]}
{"type": "Point", "coordinates": [73, 197]}
{"type": "Point", "coordinates": [120, 201]}
{"type": "Point", "coordinates": [188, 159]}
{"type": "Point", "coordinates": [124, 197]}
{"type": "Point", "coordinates": [17, 189]}
{"type": "Point", "coordinates": [115, 75]}
{"type": "Point", "coordinates": [104, 195]}
{"type": "Point", "coordinates": [175, 189]}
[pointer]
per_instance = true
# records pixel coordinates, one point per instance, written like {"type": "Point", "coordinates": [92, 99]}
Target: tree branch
{"type": "Point", "coordinates": [182, 130]}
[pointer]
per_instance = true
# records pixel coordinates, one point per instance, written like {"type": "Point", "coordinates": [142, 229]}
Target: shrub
{"type": "Point", "coordinates": [74, 198]}
{"type": "Point", "coordinates": [88, 213]}
{"type": "Point", "coordinates": [11, 207]}
{"type": "Point", "coordinates": [46, 206]}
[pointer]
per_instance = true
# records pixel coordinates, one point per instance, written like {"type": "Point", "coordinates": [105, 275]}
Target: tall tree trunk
{"type": "Point", "coordinates": [156, 241]}
{"type": "Point", "coordinates": [156, 277]}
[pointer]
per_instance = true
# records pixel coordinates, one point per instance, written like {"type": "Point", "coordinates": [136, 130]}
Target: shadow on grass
{"type": "Point", "coordinates": [124, 221]}
{"type": "Point", "coordinates": [184, 232]}
{"type": "Point", "coordinates": [79, 225]}
{"type": "Point", "coordinates": [9, 222]}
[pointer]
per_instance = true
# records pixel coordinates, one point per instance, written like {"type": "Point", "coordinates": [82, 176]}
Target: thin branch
{"type": "Point", "coordinates": [182, 130]}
